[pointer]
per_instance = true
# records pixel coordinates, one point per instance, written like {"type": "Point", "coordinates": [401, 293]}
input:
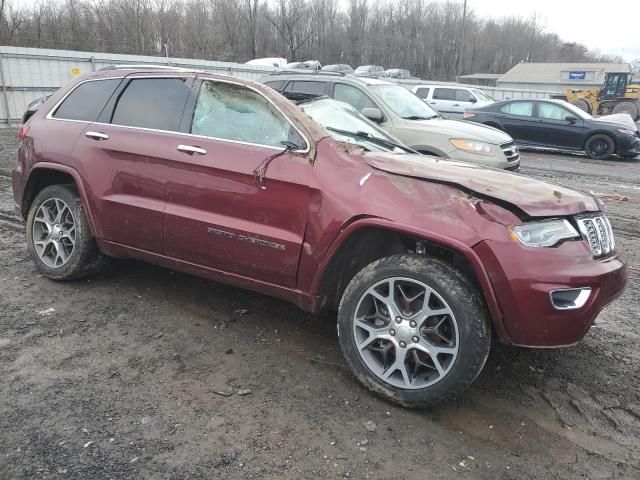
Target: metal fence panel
{"type": "Point", "coordinates": [29, 73]}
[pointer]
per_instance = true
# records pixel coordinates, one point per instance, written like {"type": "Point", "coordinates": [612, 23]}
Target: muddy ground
{"type": "Point", "coordinates": [126, 378]}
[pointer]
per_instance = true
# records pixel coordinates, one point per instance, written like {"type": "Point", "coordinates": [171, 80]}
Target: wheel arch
{"type": "Point", "coordinates": [352, 251]}
{"type": "Point", "coordinates": [46, 174]}
{"type": "Point", "coordinates": [590, 135]}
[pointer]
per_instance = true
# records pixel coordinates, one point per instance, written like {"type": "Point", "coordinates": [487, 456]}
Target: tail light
{"type": "Point", "coordinates": [468, 114]}
{"type": "Point", "coordinates": [23, 131]}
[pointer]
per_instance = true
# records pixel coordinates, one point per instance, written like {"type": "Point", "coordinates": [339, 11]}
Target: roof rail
{"type": "Point", "coordinates": [310, 72]}
{"type": "Point", "coordinates": [141, 67]}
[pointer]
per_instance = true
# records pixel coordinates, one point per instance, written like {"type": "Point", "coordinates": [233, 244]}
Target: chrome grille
{"type": "Point", "coordinates": [510, 151]}
{"type": "Point", "coordinates": [597, 231]}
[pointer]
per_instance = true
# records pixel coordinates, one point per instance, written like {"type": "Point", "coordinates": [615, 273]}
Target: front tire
{"type": "Point", "coordinates": [414, 330]}
{"type": "Point", "coordinates": [58, 235]}
{"type": "Point", "coordinates": [599, 146]}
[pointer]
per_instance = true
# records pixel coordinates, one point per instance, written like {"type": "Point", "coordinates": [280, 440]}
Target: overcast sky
{"type": "Point", "coordinates": [617, 31]}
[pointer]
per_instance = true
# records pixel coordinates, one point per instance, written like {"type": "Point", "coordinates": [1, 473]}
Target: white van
{"type": "Point", "coordinates": [451, 100]}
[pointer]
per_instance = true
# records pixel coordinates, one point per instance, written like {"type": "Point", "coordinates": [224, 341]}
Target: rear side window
{"type": "Point", "coordinates": [317, 88]}
{"type": "Point", "coordinates": [422, 92]}
{"type": "Point", "coordinates": [87, 100]}
{"type": "Point", "coordinates": [275, 84]}
{"type": "Point", "coordinates": [444, 94]}
{"type": "Point", "coordinates": [233, 112]}
{"type": "Point", "coordinates": [155, 103]}
{"type": "Point", "coordinates": [522, 109]}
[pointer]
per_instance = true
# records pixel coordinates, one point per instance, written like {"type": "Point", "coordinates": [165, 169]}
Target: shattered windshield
{"type": "Point", "coordinates": [341, 116]}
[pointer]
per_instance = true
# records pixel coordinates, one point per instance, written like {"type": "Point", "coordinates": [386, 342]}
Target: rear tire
{"type": "Point", "coordinates": [627, 107]}
{"type": "Point", "coordinates": [58, 235]}
{"type": "Point", "coordinates": [582, 105]}
{"type": "Point", "coordinates": [414, 330]}
{"type": "Point", "coordinates": [599, 146]}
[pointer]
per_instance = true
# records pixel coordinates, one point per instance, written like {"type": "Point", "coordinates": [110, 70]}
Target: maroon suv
{"type": "Point", "coordinates": [421, 257]}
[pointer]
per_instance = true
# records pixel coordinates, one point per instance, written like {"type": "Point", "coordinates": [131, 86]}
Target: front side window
{"type": "Point", "coordinates": [522, 109]}
{"type": "Point", "coordinates": [87, 100]}
{"type": "Point", "coordinates": [403, 103]}
{"type": "Point", "coordinates": [551, 111]}
{"type": "Point", "coordinates": [352, 96]}
{"type": "Point", "coordinates": [444, 94]}
{"type": "Point", "coordinates": [233, 112]}
{"type": "Point", "coordinates": [155, 103]}
{"type": "Point", "coordinates": [275, 84]}
{"type": "Point", "coordinates": [463, 95]}
{"type": "Point", "coordinates": [422, 92]}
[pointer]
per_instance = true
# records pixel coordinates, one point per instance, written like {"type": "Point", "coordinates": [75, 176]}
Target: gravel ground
{"type": "Point", "coordinates": [147, 373]}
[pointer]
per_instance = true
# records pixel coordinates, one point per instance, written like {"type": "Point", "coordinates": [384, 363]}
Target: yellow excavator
{"type": "Point", "coordinates": [619, 94]}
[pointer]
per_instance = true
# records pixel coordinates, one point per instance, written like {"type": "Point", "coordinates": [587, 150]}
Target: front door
{"type": "Point", "coordinates": [218, 213]}
{"type": "Point", "coordinates": [554, 128]}
{"type": "Point", "coordinates": [124, 158]}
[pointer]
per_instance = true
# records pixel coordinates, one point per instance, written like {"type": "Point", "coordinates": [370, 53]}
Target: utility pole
{"type": "Point", "coordinates": [464, 17]}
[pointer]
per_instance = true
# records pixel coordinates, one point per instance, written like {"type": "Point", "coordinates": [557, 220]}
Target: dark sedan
{"type": "Point", "coordinates": [558, 125]}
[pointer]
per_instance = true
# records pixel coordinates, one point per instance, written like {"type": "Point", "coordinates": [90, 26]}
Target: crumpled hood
{"type": "Point", "coordinates": [533, 197]}
{"type": "Point", "coordinates": [622, 119]}
{"type": "Point", "coordinates": [461, 129]}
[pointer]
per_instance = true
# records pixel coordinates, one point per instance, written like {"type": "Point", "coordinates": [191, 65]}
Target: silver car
{"type": "Point", "coordinates": [402, 114]}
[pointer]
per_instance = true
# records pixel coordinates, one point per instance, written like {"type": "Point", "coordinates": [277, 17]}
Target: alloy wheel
{"type": "Point", "coordinates": [54, 232]}
{"type": "Point", "coordinates": [406, 333]}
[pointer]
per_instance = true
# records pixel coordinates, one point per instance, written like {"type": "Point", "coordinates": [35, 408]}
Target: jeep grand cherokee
{"type": "Point", "coordinates": [421, 257]}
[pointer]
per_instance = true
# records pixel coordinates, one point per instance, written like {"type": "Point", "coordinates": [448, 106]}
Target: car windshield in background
{"type": "Point", "coordinates": [404, 103]}
{"type": "Point", "coordinates": [480, 95]}
{"type": "Point", "coordinates": [335, 115]}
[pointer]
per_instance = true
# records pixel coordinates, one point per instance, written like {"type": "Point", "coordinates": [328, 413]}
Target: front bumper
{"type": "Point", "coordinates": [523, 278]}
{"type": "Point", "coordinates": [629, 146]}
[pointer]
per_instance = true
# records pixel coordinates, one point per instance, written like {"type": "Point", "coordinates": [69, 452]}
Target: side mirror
{"type": "Point", "coordinates": [571, 119]}
{"type": "Point", "coordinates": [373, 114]}
{"type": "Point", "coordinates": [473, 100]}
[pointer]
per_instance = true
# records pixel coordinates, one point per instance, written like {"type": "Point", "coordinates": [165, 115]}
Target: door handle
{"type": "Point", "coordinates": [97, 136]}
{"type": "Point", "coordinates": [432, 103]}
{"type": "Point", "coordinates": [191, 150]}
{"type": "Point", "coordinates": [456, 104]}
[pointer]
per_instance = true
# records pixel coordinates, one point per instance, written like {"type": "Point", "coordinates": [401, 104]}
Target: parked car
{"type": "Point", "coordinates": [33, 107]}
{"type": "Point", "coordinates": [401, 114]}
{"type": "Point", "coordinates": [224, 178]}
{"type": "Point", "coordinates": [397, 73]}
{"type": "Point", "coordinates": [372, 71]}
{"type": "Point", "coordinates": [341, 67]}
{"type": "Point", "coordinates": [561, 126]}
{"type": "Point", "coordinates": [451, 100]}
{"type": "Point", "coordinates": [277, 62]}
{"type": "Point", "coordinates": [308, 65]}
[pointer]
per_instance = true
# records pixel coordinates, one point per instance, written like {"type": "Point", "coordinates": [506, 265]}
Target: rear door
{"type": "Point", "coordinates": [125, 157]}
{"type": "Point", "coordinates": [518, 120]}
{"type": "Point", "coordinates": [217, 214]}
{"type": "Point", "coordinates": [444, 101]}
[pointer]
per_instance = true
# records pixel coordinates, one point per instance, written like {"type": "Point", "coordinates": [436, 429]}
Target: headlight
{"type": "Point", "coordinates": [627, 131]}
{"type": "Point", "coordinates": [471, 146]}
{"type": "Point", "coordinates": [543, 234]}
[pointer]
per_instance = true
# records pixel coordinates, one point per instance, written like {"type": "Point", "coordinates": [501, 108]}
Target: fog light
{"type": "Point", "coordinates": [570, 298]}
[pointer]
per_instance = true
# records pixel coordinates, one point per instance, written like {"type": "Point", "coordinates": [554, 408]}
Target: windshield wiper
{"type": "Point", "coordinates": [419, 117]}
{"type": "Point", "coordinates": [372, 138]}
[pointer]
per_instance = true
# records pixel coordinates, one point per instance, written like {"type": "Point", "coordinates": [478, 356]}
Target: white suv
{"type": "Point", "coordinates": [451, 100]}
